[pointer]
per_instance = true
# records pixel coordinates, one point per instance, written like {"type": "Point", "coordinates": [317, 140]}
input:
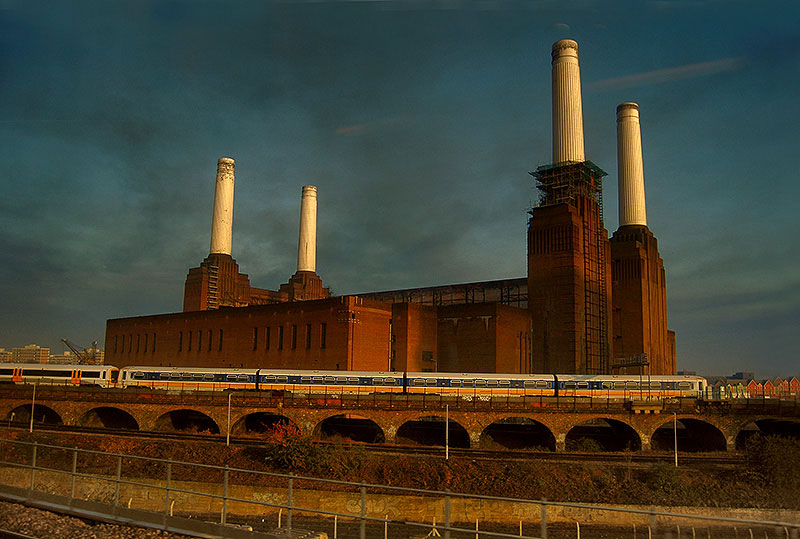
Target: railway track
{"type": "Point", "coordinates": [715, 460]}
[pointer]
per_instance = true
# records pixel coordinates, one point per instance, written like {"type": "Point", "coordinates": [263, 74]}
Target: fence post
{"type": "Point", "coordinates": [116, 483]}
{"type": "Point", "coordinates": [652, 518]}
{"type": "Point", "coordinates": [33, 463]}
{"type": "Point", "coordinates": [74, 471]}
{"type": "Point", "coordinates": [447, 515]}
{"type": "Point", "coordinates": [543, 533]}
{"type": "Point", "coordinates": [224, 515]}
{"type": "Point", "coordinates": [166, 493]}
{"type": "Point", "coordinates": [289, 503]}
{"type": "Point", "coordinates": [363, 530]}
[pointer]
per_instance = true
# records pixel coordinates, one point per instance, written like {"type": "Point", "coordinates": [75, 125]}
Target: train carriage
{"type": "Point", "coordinates": [189, 378]}
{"type": "Point", "coordinates": [629, 387]}
{"type": "Point", "coordinates": [330, 383]}
{"type": "Point", "coordinates": [35, 373]}
{"type": "Point", "coordinates": [470, 385]}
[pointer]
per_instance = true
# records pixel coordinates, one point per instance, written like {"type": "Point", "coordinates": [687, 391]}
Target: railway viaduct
{"type": "Point", "coordinates": [545, 423]}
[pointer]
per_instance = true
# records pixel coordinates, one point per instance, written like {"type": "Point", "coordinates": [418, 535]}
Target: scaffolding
{"type": "Point", "coordinates": [579, 184]}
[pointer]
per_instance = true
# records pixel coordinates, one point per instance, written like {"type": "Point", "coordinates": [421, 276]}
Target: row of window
{"type": "Point", "coordinates": [268, 335]}
{"type": "Point", "coordinates": [141, 342]}
{"type": "Point", "coordinates": [190, 338]}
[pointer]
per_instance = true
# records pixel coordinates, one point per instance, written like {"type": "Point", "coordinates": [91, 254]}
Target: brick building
{"type": "Point", "coordinates": [587, 304]}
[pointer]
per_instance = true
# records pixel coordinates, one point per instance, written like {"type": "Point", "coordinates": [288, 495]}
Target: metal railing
{"type": "Point", "coordinates": [96, 485]}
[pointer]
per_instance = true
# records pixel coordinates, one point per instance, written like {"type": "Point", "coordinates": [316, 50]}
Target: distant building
{"type": "Point", "coordinates": [33, 353]}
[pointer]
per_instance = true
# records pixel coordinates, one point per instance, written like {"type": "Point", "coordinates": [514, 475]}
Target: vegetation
{"type": "Point", "coordinates": [767, 478]}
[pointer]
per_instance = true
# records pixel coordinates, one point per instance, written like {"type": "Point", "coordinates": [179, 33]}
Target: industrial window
{"type": "Point", "coordinates": [294, 336]}
{"type": "Point", "coordinates": [255, 339]}
{"type": "Point", "coordinates": [116, 337]}
{"type": "Point", "coordinates": [266, 338]}
{"type": "Point", "coordinates": [210, 334]}
{"type": "Point", "coordinates": [189, 348]}
{"type": "Point", "coordinates": [280, 338]}
{"type": "Point", "coordinates": [180, 341]}
{"type": "Point", "coordinates": [137, 342]}
{"type": "Point", "coordinates": [220, 341]}
{"type": "Point", "coordinates": [145, 343]}
{"type": "Point", "coordinates": [199, 340]}
{"type": "Point", "coordinates": [154, 343]}
{"type": "Point", "coordinates": [308, 336]}
{"type": "Point", "coordinates": [323, 335]}
{"type": "Point", "coordinates": [130, 343]}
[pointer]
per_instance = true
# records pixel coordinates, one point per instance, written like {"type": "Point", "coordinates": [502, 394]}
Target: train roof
{"type": "Point", "coordinates": [204, 370]}
{"type": "Point", "coordinates": [485, 375]}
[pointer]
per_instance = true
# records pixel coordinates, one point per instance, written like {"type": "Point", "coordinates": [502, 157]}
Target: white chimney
{"type": "Point", "coordinates": [567, 106]}
{"type": "Point", "coordinates": [222, 224]}
{"type": "Point", "coordinates": [632, 209]}
{"type": "Point", "coordinates": [307, 245]}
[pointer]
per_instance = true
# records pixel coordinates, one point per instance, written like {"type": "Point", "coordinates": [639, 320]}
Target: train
{"type": "Point", "coordinates": [338, 383]}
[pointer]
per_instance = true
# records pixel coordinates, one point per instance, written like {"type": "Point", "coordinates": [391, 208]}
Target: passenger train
{"type": "Point", "coordinates": [337, 383]}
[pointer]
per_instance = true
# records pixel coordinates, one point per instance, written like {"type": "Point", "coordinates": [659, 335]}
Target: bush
{"type": "Point", "coordinates": [286, 448]}
{"type": "Point", "coordinates": [662, 478]}
{"type": "Point", "coordinates": [777, 461]}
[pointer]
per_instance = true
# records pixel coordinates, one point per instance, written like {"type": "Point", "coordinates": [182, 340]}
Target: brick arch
{"type": "Point", "coordinates": [62, 411]}
{"type": "Point", "coordinates": [80, 412]}
{"type": "Point", "coordinates": [418, 415]}
{"type": "Point", "coordinates": [578, 419]}
{"type": "Point", "coordinates": [338, 413]}
{"type": "Point", "coordinates": [238, 417]}
{"type": "Point", "coordinates": [482, 426]}
{"type": "Point", "coordinates": [727, 428]}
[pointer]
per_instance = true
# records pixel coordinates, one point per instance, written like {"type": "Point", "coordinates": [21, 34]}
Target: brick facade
{"type": "Point", "coordinates": [640, 300]}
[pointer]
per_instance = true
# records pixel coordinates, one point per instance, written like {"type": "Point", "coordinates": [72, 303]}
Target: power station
{"type": "Point", "coordinates": [589, 305]}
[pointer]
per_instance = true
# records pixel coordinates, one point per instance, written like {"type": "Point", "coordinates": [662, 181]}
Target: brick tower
{"type": "Point", "coordinates": [568, 249]}
{"type": "Point", "coordinates": [641, 337]}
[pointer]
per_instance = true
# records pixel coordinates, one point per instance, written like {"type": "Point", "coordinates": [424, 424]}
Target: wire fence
{"type": "Point", "coordinates": [230, 502]}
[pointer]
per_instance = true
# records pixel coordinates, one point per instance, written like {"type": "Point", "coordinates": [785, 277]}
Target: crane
{"type": "Point", "coordinates": [87, 356]}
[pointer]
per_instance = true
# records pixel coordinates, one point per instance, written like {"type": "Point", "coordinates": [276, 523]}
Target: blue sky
{"type": "Point", "coordinates": [418, 121]}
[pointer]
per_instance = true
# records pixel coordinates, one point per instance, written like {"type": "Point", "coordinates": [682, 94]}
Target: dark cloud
{"type": "Point", "coordinates": [418, 122]}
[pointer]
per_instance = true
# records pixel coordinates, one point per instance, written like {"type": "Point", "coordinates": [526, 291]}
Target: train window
{"type": "Point", "coordinates": [632, 385]}
{"type": "Point", "coordinates": [175, 375]}
{"type": "Point", "coordinates": [330, 379]}
{"type": "Point", "coordinates": [187, 376]}
{"type": "Point", "coordinates": [282, 379]}
{"type": "Point", "coordinates": [619, 385]}
{"type": "Point", "coordinates": [377, 380]}
{"type": "Point", "coordinates": [504, 383]}
{"type": "Point", "coordinates": [390, 381]}
{"type": "Point", "coordinates": [541, 384]}
{"type": "Point", "coordinates": [317, 379]}
{"type": "Point", "coordinates": [492, 383]}
{"type": "Point", "coordinates": [529, 383]}
{"type": "Point", "coordinates": [269, 379]}
{"type": "Point", "coordinates": [583, 385]}
{"type": "Point", "coordinates": [455, 383]}
{"type": "Point", "coordinates": [242, 378]}
{"type": "Point", "coordinates": [607, 385]}
{"type": "Point", "coordinates": [480, 383]}
{"type": "Point", "coordinates": [305, 379]}
{"type": "Point", "coordinates": [569, 385]}
{"type": "Point", "coordinates": [208, 377]}
{"type": "Point", "coordinates": [137, 375]}
{"type": "Point", "coordinates": [430, 381]}
{"type": "Point", "coordinates": [352, 380]}
{"type": "Point", "coordinates": [655, 385]}
{"type": "Point", "coordinates": [418, 382]}
{"type": "Point", "coordinates": [684, 385]}
{"type": "Point", "coordinates": [468, 383]}
{"type": "Point", "coordinates": [6, 372]}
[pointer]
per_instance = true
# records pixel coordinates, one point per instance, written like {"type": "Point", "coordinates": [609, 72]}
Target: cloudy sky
{"type": "Point", "coordinates": [418, 120]}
